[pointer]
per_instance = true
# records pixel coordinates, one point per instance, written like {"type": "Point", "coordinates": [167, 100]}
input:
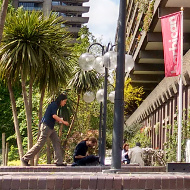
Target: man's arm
{"type": "Point", "coordinates": [57, 118]}
{"type": "Point", "coordinates": [79, 156]}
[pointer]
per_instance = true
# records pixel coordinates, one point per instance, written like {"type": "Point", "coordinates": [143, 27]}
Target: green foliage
{"type": "Point", "coordinates": [132, 97]}
{"type": "Point", "coordinates": [131, 131]}
{"type": "Point", "coordinates": [83, 42]}
{"type": "Point", "coordinates": [10, 6]}
{"type": "Point", "coordinates": [82, 81]}
{"type": "Point", "coordinates": [6, 117]}
{"type": "Point", "coordinates": [37, 47]}
{"type": "Point", "coordinates": [149, 14]}
{"type": "Point", "coordinates": [143, 5]}
{"type": "Point", "coordinates": [14, 163]}
{"type": "Point", "coordinates": [22, 122]}
{"type": "Point", "coordinates": [141, 137]}
{"type": "Point", "coordinates": [86, 117]}
{"type": "Point", "coordinates": [32, 42]}
{"type": "Point", "coordinates": [6, 114]}
{"type": "Point", "coordinates": [13, 153]}
{"type": "Point", "coordinates": [88, 120]}
{"type": "Point", "coordinates": [25, 40]}
{"type": "Point", "coordinates": [135, 133]}
{"type": "Point", "coordinates": [170, 147]}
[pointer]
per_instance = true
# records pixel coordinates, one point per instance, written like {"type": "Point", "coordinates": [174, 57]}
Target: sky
{"type": "Point", "coordinates": [103, 16]}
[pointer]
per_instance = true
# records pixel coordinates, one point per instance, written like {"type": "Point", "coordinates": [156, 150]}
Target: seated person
{"type": "Point", "coordinates": [124, 155]}
{"type": "Point", "coordinates": [80, 157]}
{"type": "Point", "coordinates": [136, 154]}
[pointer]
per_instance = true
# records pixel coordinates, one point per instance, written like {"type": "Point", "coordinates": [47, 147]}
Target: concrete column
{"type": "Point", "coordinates": [47, 7]}
{"type": "Point", "coordinates": [185, 107]}
{"type": "Point", "coordinates": [188, 101]}
{"type": "Point", "coordinates": [15, 3]}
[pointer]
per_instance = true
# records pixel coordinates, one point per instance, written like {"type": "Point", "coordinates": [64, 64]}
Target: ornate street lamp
{"type": "Point", "coordinates": [101, 64]}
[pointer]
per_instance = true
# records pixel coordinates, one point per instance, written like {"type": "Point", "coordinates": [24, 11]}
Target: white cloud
{"type": "Point", "coordinates": [103, 16]}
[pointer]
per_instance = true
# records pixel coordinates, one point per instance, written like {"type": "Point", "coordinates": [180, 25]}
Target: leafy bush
{"type": "Point", "coordinates": [13, 153]}
{"type": "Point", "coordinates": [170, 146]}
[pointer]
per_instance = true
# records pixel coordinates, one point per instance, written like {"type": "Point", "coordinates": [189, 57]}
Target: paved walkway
{"type": "Point", "coordinates": [81, 179]}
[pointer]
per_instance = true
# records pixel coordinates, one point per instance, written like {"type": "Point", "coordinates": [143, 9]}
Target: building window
{"type": "Point", "coordinates": [58, 3]}
{"type": "Point", "coordinates": [55, 2]}
{"type": "Point", "coordinates": [30, 6]}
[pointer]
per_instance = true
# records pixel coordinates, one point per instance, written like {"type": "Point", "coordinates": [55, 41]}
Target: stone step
{"type": "Point", "coordinates": [91, 180]}
{"type": "Point", "coordinates": [52, 168]}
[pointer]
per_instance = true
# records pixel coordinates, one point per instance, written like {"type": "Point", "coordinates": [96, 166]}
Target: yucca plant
{"type": "Point", "coordinates": [34, 51]}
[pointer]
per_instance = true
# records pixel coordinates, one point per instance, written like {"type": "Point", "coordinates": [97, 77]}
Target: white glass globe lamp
{"type": "Point", "coordinates": [98, 65]}
{"type": "Point", "coordinates": [86, 61]}
{"type": "Point", "coordinates": [111, 96]}
{"type": "Point", "coordinates": [100, 95]}
{"type": "Point", "coordinates": [110, 60]}
{"type": "Point", "coordinates": [129, 63]}
{"type": "Point", "coordinates": [88, 97]}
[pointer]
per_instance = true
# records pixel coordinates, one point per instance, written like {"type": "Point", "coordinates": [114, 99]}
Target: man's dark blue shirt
{"type": "Point", "coordinates": [50, 111]}
{"type": "Point", "coordinates": [81, 149]}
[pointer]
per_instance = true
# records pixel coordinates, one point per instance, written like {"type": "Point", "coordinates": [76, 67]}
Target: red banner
{"type": "Point", "coordinates": [171, 34]}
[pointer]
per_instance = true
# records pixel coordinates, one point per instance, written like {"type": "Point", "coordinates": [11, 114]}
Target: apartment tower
{"type": "Point", "coordinates": [70, 10]}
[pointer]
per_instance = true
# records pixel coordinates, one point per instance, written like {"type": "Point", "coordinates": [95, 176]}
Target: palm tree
{"type": "Point", "coordinates": [3, 14]}
{"type": "Point", "coordinates": [34, 50]}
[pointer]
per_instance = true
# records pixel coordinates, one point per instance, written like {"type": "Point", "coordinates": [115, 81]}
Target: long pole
{"type": "Point", "coordinates": [100, 131]}
{"type": "Point", "coordinates": [117, 140]}
{"type": "Point", "coordinates": [103, 146]}
{"type": "Point", "coordinates": [180, 95]}
{"type": "Point", "coordinates": [104, 126]}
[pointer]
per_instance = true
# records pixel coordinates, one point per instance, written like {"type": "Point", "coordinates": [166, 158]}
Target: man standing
{"type": "Point", "coordinates": [47, 130]}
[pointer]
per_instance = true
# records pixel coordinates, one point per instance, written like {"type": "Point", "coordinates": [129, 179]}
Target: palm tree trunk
{"type": "Point", "coordinates": [28, 115]}
{"type": "Point", "coordinates": [3, 14]}
{"type": "Point", "coordinates": [30, 97]}
{"type": "Point", "coordinates": [48, 151]}
{"type": "Point", "coordinates": [36, 158]}
{"type": "Point", "coordinates": [16, 124]}
{"type": "Point", "coordinates": [71, 126]}
{"type": "Point", "coordinates": [60, 130]}
{"type": "Point", "coordinates": [41, 104]}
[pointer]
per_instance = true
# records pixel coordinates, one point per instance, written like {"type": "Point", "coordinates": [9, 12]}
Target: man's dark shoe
{"type": "Point", "coordinates": [24, 162]}
{"type": "Point", "coordinates": [74, 164]}
{"type": "Point", "coordinates": [63, 164]}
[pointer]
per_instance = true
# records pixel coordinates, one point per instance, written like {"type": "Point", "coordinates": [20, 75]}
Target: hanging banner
{"type": "Point", "coordinates": [171, 34]}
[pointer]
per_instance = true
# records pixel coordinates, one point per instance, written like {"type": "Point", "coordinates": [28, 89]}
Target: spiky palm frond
{"type": "Point", "coordinates": [83, 81]}
{"type": "Point", "coordinates": [36, 46]}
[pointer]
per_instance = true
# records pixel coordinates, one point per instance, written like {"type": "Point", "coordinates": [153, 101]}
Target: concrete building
{"type": "Point", "coordinates": [144, 43]}
{"type": "Point", "coordinates": [70, 10]}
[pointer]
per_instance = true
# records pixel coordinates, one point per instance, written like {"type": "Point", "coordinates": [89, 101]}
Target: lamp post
{"type": "Point", "coordinates": [88, 62]}
{"type": "Point", "coordinates": [117, 139]}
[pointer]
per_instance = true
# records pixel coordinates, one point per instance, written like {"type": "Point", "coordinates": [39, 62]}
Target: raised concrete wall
{"type": "Point", "coordinates": [70, 9]}
{"type": "Point", "coordinates": [159, 109]}
{"type": "Point", "coordinates": [166, 89]}
{"type": "Point", "coordinates": [47, 7]}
